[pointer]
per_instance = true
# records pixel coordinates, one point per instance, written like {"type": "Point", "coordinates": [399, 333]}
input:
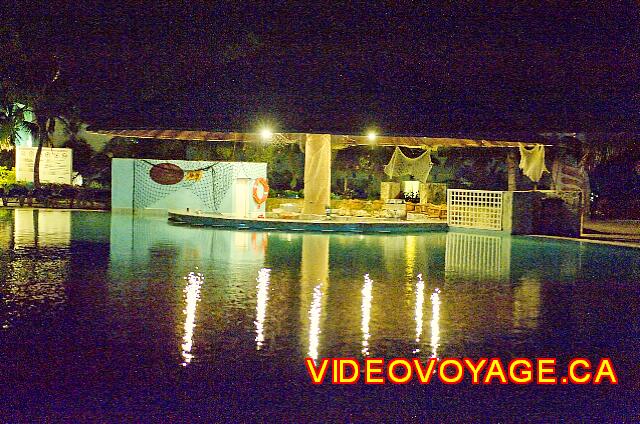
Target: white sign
{"type": "Point", "coordinates": [55, 164]}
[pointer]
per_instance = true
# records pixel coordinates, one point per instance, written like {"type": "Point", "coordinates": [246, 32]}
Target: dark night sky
{"type": "Point", "coordinates": [425, 68]}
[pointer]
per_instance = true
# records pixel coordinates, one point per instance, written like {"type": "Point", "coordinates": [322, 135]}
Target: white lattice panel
{"type": "Point", "coordinates": [474, 209]}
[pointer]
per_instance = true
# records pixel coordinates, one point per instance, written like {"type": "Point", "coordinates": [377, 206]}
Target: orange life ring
{"type": "Point", "coordinates": [265, 191]}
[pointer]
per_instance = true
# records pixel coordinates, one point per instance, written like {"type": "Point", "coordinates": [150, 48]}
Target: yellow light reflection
{"type": "Point", "coordinates": [410, 256]}
{"type": "Point", "coordinates": [261, 305]}
{"type": "Point", "coordinates": [314, 322]}
{"type": "Point", "coordinates": [435, 322]}
{"type": "Point", "coordinates": [526, 302]}
{"type": "Point", "coordinates": [366, 313]}
{"type": "Point", "coordinates": [41, 227]}
{"type": "Point", "coordinates": [418, 312]}
{"type": "Point", "coordinates": [192, 296]}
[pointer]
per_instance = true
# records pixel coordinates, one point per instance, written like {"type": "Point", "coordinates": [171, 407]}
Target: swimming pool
{"type": "Point", "coordinates": [116, 317]}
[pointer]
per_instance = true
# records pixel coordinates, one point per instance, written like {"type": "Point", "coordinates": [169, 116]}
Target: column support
{"type": "Point", "coordinates": [317, 173]}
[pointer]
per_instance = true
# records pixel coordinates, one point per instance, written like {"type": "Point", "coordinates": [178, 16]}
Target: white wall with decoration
{"type": "Point", "coordinates": [159, 185]}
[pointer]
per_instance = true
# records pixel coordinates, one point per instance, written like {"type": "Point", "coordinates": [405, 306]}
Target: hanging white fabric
{"type": "Point", "coordinates": [419, 167]}
{"type": "Point", "coordinates": [532, 162]}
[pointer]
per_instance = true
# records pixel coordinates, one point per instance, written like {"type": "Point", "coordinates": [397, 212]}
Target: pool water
{"type": "Point", "coordinates": [111, 317]}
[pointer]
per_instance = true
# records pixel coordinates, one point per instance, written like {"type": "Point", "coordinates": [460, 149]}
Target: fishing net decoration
{"type": "Point", "coordinates": [210, 184]}
{"type": "Point", "coordinates": [400, 165]}
{"type": "Point", "coordinates": [279, 141]}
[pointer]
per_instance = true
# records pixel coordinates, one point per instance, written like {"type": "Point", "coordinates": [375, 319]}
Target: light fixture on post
{"type": "Point", "coordinates": [266, 134]}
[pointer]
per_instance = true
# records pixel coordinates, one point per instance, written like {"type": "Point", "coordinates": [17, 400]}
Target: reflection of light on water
{"type": "Point", "coordinates": [526, 302]}
{"type": "Point", "coordinates": [41, 227]}
{"type": "Point", "coordinates": [314, 325]}
{"type": "Point", "coordinates": [418, 313]}
{"type": "Point", "coordinates": [261, 306]}
{"type": "Point", "coordinates": [241, 241]}
{"type": "Point", "coordinates": [435, 322]}
{"type": "Point", "coordinates": [410, 256]}
{"type": "Point", "coordinates": [366, 313]}
{"type": "Point", "coordinates": [192, 296]}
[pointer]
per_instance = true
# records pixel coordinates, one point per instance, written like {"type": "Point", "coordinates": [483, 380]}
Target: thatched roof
{"type": "Point", "coordinates": [337, 140]}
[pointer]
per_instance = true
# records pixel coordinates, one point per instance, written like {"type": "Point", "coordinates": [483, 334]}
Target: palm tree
{"type": "Point", "coordinates": [82, 151]}
{"type": "Point", "coordinates": [14, 124]}
{"type": "Point", "coordinates": [48, 106]}
{"type": "Point", "coordinates": [34, 84]}
{"type": "Point", "coordinates": [587, 152]}
{"type": "Point", "coordinates": [603, 148]}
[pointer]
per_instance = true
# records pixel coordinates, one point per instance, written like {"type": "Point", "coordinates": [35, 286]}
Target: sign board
{"type": "Point", "coordinates": [55, 164]}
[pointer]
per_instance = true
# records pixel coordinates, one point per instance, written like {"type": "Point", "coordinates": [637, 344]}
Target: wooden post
{"type": "Point", "coordinates": [511, 170]}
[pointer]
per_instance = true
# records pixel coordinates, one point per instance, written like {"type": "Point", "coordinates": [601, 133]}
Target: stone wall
{"type": "Point", "coordinates": [277, 202]}
{"type": "Point", "coordinates": [346, 207]}
{"type": "Point", "coordinates": [558, 213]}
{"type": "Point", "coordinates": [351, 204]}
{"type": "Point", "coordinates": [544, 212]}
{"type": "Point", "coordinates": [434, 193]}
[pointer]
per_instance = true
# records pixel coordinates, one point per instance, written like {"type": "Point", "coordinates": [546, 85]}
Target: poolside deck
{"type": "Point", "coordinates": [335, 224]}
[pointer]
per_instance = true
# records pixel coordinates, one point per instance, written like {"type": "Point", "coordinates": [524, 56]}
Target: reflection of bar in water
{"type": "Point", "coordinates": [261, 305]}
{"type": "Point", "coordinates": [526, 302]}
{"type": "Point", "coordinates": [392, 251]}
{"type": "Point", "coordinates": [192, 297]}
{"type": "Point", "coordinates": [435, 322]}
{"type": "Point", "coordinates": [314, 274]}
{"type": "Point", "coordinates": [478, 256]}
{"type": "Point", "coordinates": [410, 254]}
{"type": "Point", "coordinates": [418, 311]}
{"type": "Point", "coordinates": [366, 313]}
{"type": "Point", "coordinates": [315, 312]}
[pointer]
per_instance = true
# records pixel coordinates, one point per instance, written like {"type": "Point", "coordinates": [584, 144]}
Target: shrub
{"type": "Point", "coordinates": [7, 176]}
